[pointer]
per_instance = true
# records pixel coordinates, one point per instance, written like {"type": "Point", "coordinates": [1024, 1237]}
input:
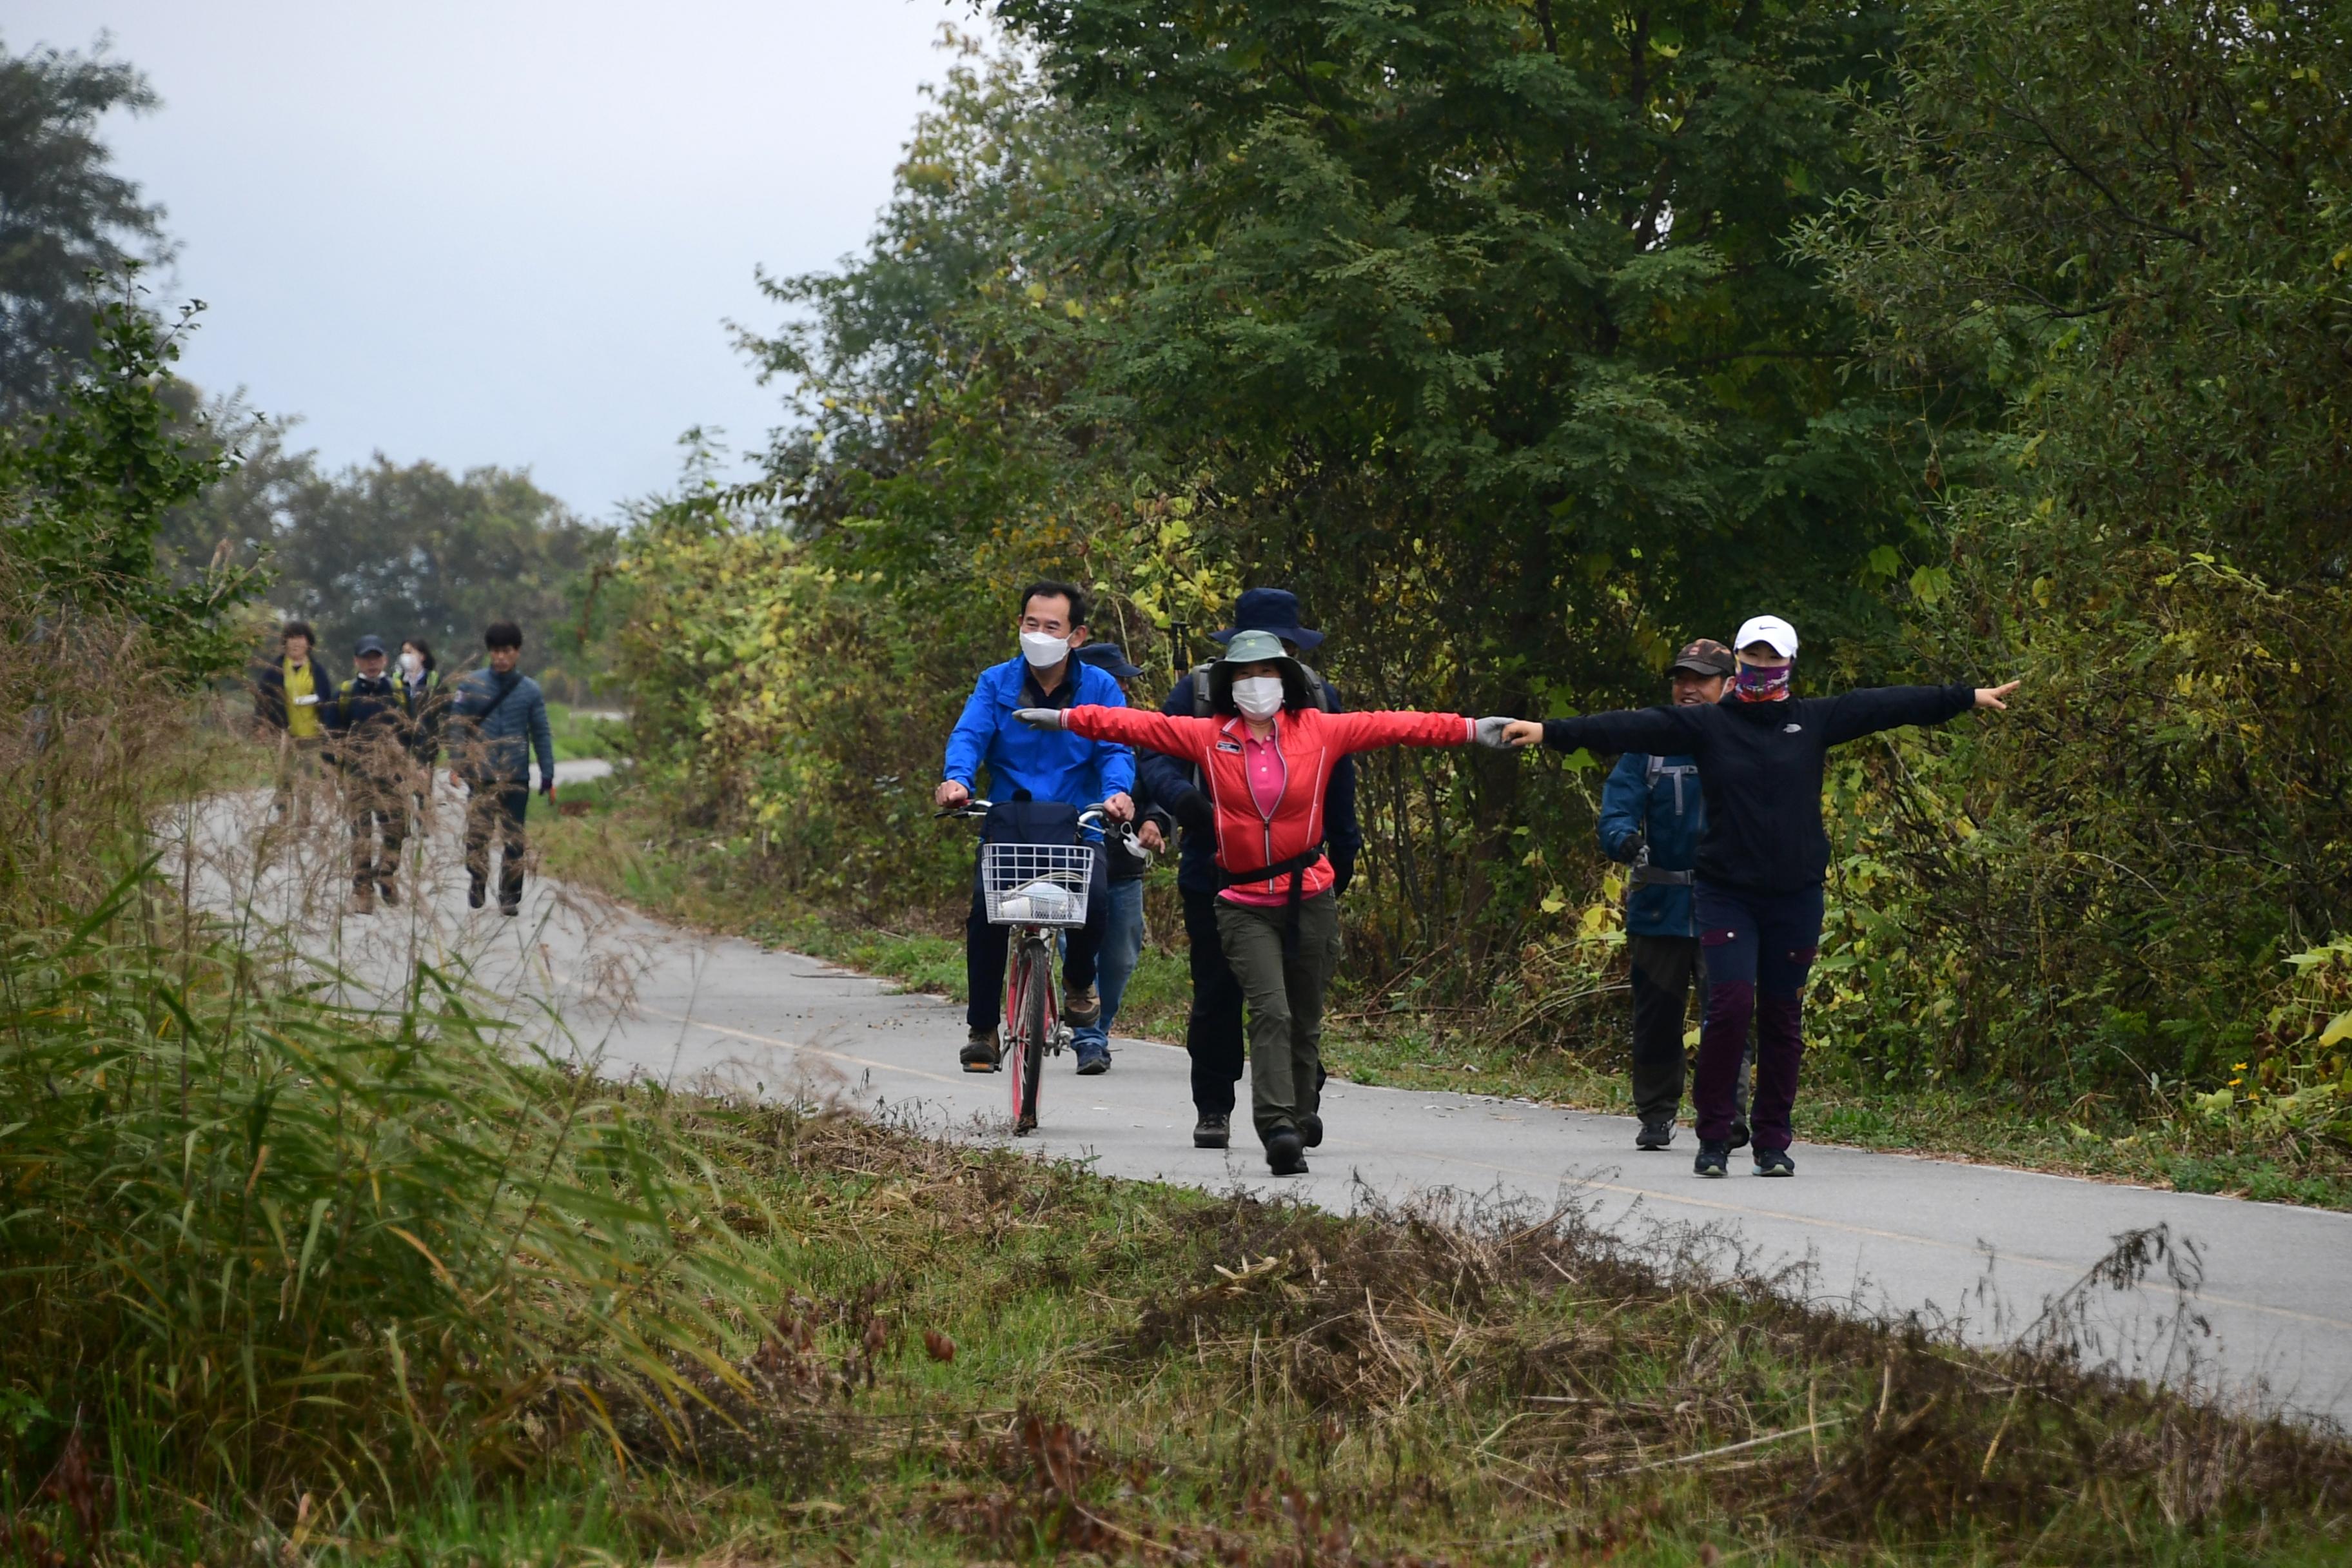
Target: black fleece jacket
{"type": "Point", "coordinates": [1761, 764]}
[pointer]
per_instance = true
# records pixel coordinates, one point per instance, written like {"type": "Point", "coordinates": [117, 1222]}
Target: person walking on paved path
{"type": "Point", "coordinates": [285, 696]}
{"type": "Point", "coordinates": [1122, 943]}
{"type": "Point", "coordinates": [1213, 1032]}
{"type": "Point", "coordinates": [367, 725]}
{"type": "Point", "coordinates": [428, 714]}
{"type": "Point", "coordinates": [497, 717]}
{"type": "Point", "coordinates": [1036, 783]}
{"type": "Point", "coordinates": [1761, 862]}
{"type": "Point", "coordinates": [1265, 755]}
{"type": "Point", "coordinates": [1652, 816]}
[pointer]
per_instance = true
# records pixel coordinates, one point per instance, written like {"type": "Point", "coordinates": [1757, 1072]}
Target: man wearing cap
{"type": "Point", "coordinates": [367, 730]}
{"type": "Point", "coordinates": [1763, 857]}
{"type": "Point", "coordinates": [1122, 939]}
{"type": "Point", "coordinates": [1212, 1034]}
{"type": "Point", "coordinates": [1651, 814]}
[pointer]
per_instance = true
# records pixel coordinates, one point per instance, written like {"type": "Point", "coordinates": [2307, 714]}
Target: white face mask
{"type": "Point", "coordinates": [410, 663]}
{"type": "Point", "coordinates": [1258, 696]}
{"type": "Point", "coordinates": [1042, 651]}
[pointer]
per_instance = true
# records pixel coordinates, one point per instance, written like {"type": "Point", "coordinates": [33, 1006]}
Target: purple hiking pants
{"type": "Point", "coordinates": [1758, 948]}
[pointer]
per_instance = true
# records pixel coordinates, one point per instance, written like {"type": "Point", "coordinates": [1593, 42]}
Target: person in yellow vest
{"type": "Point", "coordinates": [286, 693]}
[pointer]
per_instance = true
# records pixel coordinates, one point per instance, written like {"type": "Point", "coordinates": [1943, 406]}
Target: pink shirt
{"type": "Point", "coordinates": [1262, 761]}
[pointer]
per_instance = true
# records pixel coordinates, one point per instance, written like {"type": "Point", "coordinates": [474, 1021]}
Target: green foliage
{"type": "Point", "coordinates": [86, 487]}
{"type": "Point", "coordinates": [67, 221]}
{"type": "Point", "coordinates": [404, 550]}
{"type": "Point", "coordinates": [2114, 233]}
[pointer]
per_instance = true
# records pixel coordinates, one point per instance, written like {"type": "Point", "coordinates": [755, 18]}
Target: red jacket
{"type": "Point", "coordinates": [1310, 740]}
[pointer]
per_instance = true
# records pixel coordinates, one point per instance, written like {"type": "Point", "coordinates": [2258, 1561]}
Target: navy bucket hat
{"type": "Point", "coordinates": [1111, 658]}
{"type": "Point", "coordinates": [1272, 610]}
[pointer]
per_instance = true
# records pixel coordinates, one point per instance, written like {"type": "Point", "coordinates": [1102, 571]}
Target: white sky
{"type": "Point", "coordinates": [505, 231]}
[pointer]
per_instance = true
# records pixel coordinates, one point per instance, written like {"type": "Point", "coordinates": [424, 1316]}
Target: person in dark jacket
{"type": "Point", "coordinates": [1651, 814]}
{"type": "Point", "coordinates": [286, 692]}
{"type": "Point", "coordinates": [1212, 1034]}
{"type": "Point", "coordinates": [1122, 939]}
{"type": "Point", "coordinates": [497, 717]}
{"type": "Point", "coordinates": [428, 712]}
{"type": "Point", "coordinates": [1763, 858]}
{"type": "Point", "coordinates": [367, 731]}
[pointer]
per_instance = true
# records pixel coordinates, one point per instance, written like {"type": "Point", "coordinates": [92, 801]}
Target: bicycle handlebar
{"type": "Point", "coordinates": [1089, 817]}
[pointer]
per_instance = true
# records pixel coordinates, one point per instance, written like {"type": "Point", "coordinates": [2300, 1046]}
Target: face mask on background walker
{"type": "Point", "coordinates": [411, 663]}
{"type": "Point", "coordinates": [1043, 652]}
{"type": "Point", "coordinates": [1258, 696]}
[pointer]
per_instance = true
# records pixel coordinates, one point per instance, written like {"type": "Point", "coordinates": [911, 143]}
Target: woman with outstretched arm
{"type": "Point", "coordinates": [1264, 755]}
{"type": "Point", "coordinates": [1761, 753]}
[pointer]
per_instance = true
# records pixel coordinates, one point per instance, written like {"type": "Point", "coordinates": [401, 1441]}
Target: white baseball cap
{"type": "Point", "coordinates": [1771, 629]}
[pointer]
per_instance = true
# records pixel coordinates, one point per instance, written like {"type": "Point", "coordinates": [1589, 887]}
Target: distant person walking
{"type": "Point", "coordinates": [429, 713]}
{"type": "Point", "coordinates": [1652, 813]}
{"type": "Point", "coordinates": [285, 696]}
{"type": "Point", "coordinates": [1761, 753]}
{"type": "Point", "coordinates": [367, 726]}
{"type": "Point", "coordinates": [497, 717]}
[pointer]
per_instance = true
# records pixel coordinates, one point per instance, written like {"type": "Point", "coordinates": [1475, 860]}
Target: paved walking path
{"type": "Point", "coordinates": [1989, 1248]}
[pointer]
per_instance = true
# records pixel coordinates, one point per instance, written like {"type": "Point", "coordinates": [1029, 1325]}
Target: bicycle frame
{"type": "Point", "coordinates": [1033, 1024]}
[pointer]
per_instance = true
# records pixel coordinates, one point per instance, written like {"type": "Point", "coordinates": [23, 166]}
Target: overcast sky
{"type": "Point", "coordinates": [505, 231]}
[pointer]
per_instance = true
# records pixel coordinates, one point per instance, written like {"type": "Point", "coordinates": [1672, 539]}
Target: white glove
{"type": "Point", "coordinates": [1488, 733]}
{"type": "Point", "coordinates": [1039, 718]}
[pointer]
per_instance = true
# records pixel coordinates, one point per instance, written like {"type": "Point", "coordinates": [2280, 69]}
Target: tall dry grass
{"type": "Point", "coordinates": [274, 1229]}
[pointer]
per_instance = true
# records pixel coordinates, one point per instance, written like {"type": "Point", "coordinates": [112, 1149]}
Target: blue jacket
{"type": "Point", "coordinates": [1657, 801]}
{"type": "Point", "coordinates": [507, 729]}
{"type": "Point", "coordinates": [1171, 784]}
{"type": "Point", "coordinates": [1050, 764]}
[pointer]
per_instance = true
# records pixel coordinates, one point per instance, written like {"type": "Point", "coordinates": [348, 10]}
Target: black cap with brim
{"type": "Point", "coordinates": [1704, 657]}
{"type": "Point", "coordinates": [368, 644]}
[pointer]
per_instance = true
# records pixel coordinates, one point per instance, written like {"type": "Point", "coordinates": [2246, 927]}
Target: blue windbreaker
{"type": "Point", "coordinates": [1665, 803]}
{"type": "Point", "coordinates": [1050, 764]}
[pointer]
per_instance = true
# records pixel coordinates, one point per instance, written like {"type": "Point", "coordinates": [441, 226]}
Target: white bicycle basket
{"type": "Point", "coordinates": [1036, 884]}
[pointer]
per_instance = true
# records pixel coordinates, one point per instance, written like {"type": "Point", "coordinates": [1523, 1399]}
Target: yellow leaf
{"type": "Point", "coordinates": [2337, 1028]}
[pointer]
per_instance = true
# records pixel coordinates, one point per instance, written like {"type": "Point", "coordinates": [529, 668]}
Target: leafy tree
{"type": "Point", "coordinates": [401, 550]}
{"type": "Point", "coordinates": [2119, 231]}
{"type": "Point", "coordinates": [64, 215]}
{"type": "Point", "coordinates": [85, 489]}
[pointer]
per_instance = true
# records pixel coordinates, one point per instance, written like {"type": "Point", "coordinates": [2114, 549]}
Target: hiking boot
{"type": "Point", "coordinates": [1284, 1155]}
{"type": "Point", "coordinates": [475, 890]}
{"type": "Point", "coordinates": [979, 1053]}
{"type": "Point", "coordinates": [389, 894]}
{"type": "Point", "coordinates": [1080, 1008]}
{"type": "Point", "coordinates": [1654, 1135]}
{"type": "Point", "coordinates": [362, 902]}
{"type": "Point", "coordinates": [1213, 1131]}
{"type": "Point", "coordinates": [514, 909]}
{"type": "Point", "coordinates": [1774, 1163]}
{"type": "Point", "coordinates": [1714, 1158]}
{"type": "Point", "coordinates": [1739, 1136]}
{"type": "Point", "coordinates": [1310, 1130]}
{"type": "Point", "coordinates": [1093, 1059]}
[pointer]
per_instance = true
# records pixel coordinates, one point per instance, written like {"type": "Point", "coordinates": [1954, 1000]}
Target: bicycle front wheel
{"type": "Point", "coordinates": [1033, 984]}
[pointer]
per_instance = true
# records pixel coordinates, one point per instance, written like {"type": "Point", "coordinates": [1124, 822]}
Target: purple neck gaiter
{"type": "Point", "coordinates": [1753, 685]}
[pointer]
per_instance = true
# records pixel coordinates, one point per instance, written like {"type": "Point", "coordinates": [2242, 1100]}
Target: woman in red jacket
{"type": "Point", "coordinates": [1265, 757]}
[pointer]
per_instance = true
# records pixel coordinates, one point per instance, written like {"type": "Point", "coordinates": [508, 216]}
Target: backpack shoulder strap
{"type": "Point", "coordinates": [1656, 766]}
{"type": "Point", "coordinates": [1318, 688]}
{"type": "Point", "coordinates": [1199, 679]}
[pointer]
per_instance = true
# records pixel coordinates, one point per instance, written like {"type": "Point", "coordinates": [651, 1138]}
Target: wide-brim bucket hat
{"type": "Point", "coordinates": [1245, 648]}
{"type": "Point", "coordinates": [1272, 610]}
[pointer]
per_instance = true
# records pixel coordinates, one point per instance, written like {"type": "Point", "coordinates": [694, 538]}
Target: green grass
{"type": "Point", "coordinates": [623, 847]}
{"type": "Point", "coordinates": [578, 735]}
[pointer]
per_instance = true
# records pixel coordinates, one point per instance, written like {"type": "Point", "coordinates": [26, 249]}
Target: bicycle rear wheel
{"type": "Point", "coordinates": [1033, 979]}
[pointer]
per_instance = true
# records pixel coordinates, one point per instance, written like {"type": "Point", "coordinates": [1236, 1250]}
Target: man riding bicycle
{"type": "Point", "coordinates": [1026, 766]}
